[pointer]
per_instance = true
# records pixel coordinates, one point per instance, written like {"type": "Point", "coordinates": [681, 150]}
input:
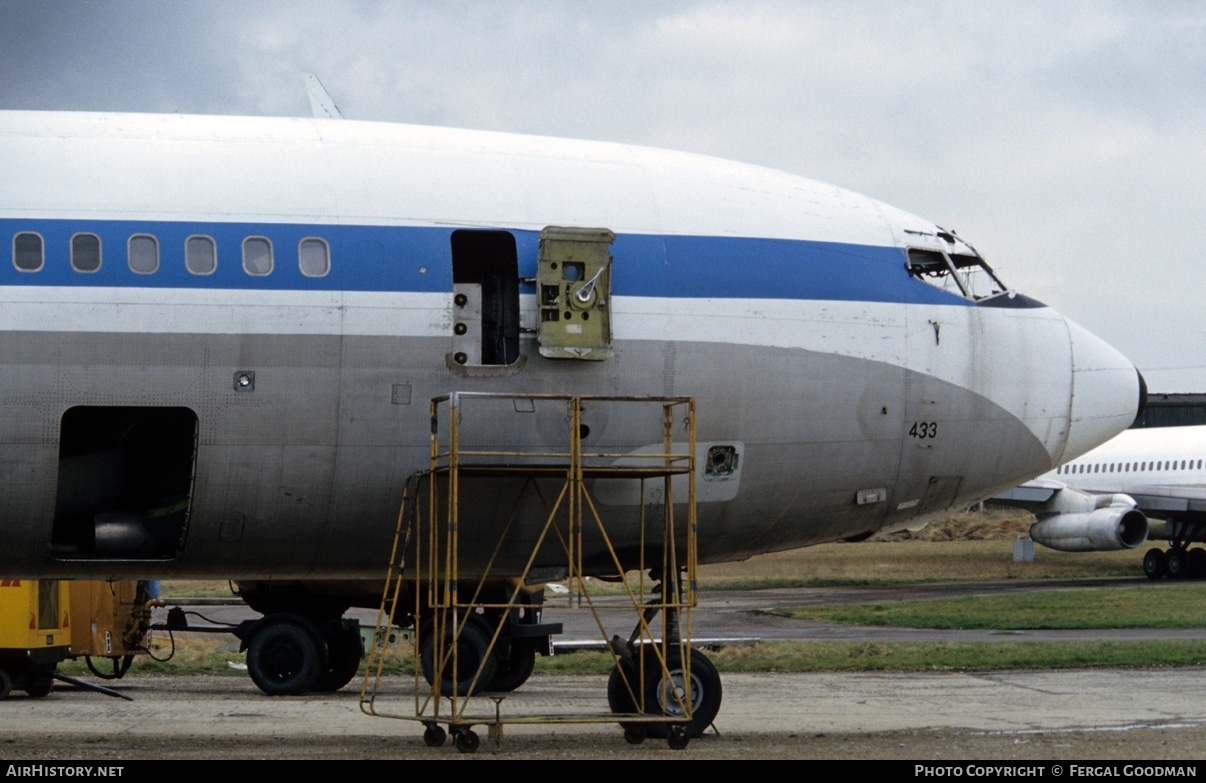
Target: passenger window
{"type": "Point", "coordinates": [200, 255]}
{"type": "Point", "coordinates": [257, 256]}
{"type": "Point", "coordinates": [313, 257]}
{"type": "Point", "coordinates": [85, 252]}
{"type": "Point", "coordinates": [143, 254]}
{"type": "Point", "coordinates": [27, 252]}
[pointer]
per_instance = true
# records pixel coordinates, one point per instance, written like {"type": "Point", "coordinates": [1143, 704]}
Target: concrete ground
{"type": "Point", "coordinates": [1085, 714]}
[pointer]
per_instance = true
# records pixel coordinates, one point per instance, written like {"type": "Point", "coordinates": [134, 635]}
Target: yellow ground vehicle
{"type": "Point", "coordinates": [43, 622]}
{"type": "Point", "coordinates": [35, 634]}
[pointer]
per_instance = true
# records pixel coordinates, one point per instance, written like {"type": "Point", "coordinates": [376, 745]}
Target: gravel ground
{"type": "Point", "coordinates": [1167, 745]}
{"type": "Point", "coordinates": [1139, 715]}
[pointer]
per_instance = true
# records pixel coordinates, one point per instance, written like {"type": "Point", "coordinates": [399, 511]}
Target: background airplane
{"type": "Point", "coordinates": [1107, 498]}
{"type": "Point", "coordinates": [220, 336]}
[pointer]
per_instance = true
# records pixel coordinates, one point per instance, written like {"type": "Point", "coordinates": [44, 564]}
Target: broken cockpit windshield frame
{"type": "Point", "coordinates": [964, 274]}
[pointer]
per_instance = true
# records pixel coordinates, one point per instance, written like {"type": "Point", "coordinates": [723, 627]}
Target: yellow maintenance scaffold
{"type": "Point", "coordinates": [475, 638]}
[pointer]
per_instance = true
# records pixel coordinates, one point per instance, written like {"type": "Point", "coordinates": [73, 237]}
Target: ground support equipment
{"type": "Point", "coordinates": [472, 643]}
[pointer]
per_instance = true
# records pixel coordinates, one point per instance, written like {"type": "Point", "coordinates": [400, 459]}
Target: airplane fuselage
{"type": "Point", "coordinates": [1138, 459]}
{"type": "Point", "coordinates": [219, 337]}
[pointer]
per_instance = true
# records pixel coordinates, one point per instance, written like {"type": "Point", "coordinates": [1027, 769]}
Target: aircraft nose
{"type": "Point", "coordinates": [1108, 392]}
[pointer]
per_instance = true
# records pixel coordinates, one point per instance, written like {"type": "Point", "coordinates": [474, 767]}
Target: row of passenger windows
{"type": "Point", "coordinates": [1130, 467]}
{"type": "Point", "coordinates": [200, 254]}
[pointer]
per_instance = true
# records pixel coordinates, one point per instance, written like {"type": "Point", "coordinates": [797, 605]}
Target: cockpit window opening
{"type": "Point", "coordinates": [28, 255]}
{"type": "Point", "coordinates": [965, 274]}
{"type": "Point", "coordinates": [977, 277]}
{"type": "Point", "coordinates": [933, 268]}
{"type": "Point", "coordinates": [85, 252]}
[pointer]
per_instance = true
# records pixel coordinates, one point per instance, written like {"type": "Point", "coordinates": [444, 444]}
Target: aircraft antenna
{"type": "Point", "coordinates": [320, 100]}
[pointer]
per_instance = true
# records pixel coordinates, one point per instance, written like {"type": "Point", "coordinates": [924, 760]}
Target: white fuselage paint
{"type": "Point", "coordinates": [1141, 457]}
{"type": "Point", "coordinates": [861, 397]}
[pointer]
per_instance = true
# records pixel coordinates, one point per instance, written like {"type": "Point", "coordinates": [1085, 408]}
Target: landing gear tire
{"type": "Point", "coordinates": [514, 672]}
{"type": "Point", "coordinates": [666, 696]}
{"type": "Point", "coordinates": [283, 659]}
{"type": "Point", "coordinates": [344, 652]}
{"type": "Point", "coordinates": [467, 741]}
{"type": "Point", "coordinates": [472, 659]}
{"type": "Point", "coordinates": [1154, 564]}
{"type": "Point", "coordinates": [620, 699]}
{"type": "Point", "coordinates": [1177, 564]}
{"type": "Point", "coordinates": [634, 735]}
{"type": "Point", "coordinates": [1197, 563]}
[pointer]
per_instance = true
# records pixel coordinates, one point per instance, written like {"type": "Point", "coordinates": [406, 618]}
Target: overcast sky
{"type": "Point", "coordinates": [1065, 140]}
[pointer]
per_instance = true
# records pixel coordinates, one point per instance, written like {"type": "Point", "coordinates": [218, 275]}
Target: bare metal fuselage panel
{"type": "Point", "coordinates": [219, 338]}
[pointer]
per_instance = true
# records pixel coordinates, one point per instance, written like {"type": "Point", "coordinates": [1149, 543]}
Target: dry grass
{"type": "Point", "coordinates": [886, 562]}
{"type": "Point", "coordinates": [962, 547]}
{"type": "Point", "coordinates": [989, 524]}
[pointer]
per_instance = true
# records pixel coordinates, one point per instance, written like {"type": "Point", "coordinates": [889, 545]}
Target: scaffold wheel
{"type": "Point", "coordinates": [467, 741]}
{"type": "Point", "coordinates": [434, 737]}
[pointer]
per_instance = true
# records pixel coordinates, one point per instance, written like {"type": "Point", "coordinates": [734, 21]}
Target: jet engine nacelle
{"type": "Point", "coordinates": [1078, 522]}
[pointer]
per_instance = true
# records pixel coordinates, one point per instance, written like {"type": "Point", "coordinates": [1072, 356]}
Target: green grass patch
{"type": "Point", "coordinates": [910, 656]}
{"type": "Point", "coordinates": [1157, 606]}
{"type": "Point", "coordinates": [189, 588]}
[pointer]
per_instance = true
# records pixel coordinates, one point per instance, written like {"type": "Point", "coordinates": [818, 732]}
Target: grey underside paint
{"type": "Point", "coordinates": [302, 477]}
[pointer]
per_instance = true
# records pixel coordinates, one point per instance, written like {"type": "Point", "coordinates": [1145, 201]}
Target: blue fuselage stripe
{"type": "Point", "coordinates": [419, 259]}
